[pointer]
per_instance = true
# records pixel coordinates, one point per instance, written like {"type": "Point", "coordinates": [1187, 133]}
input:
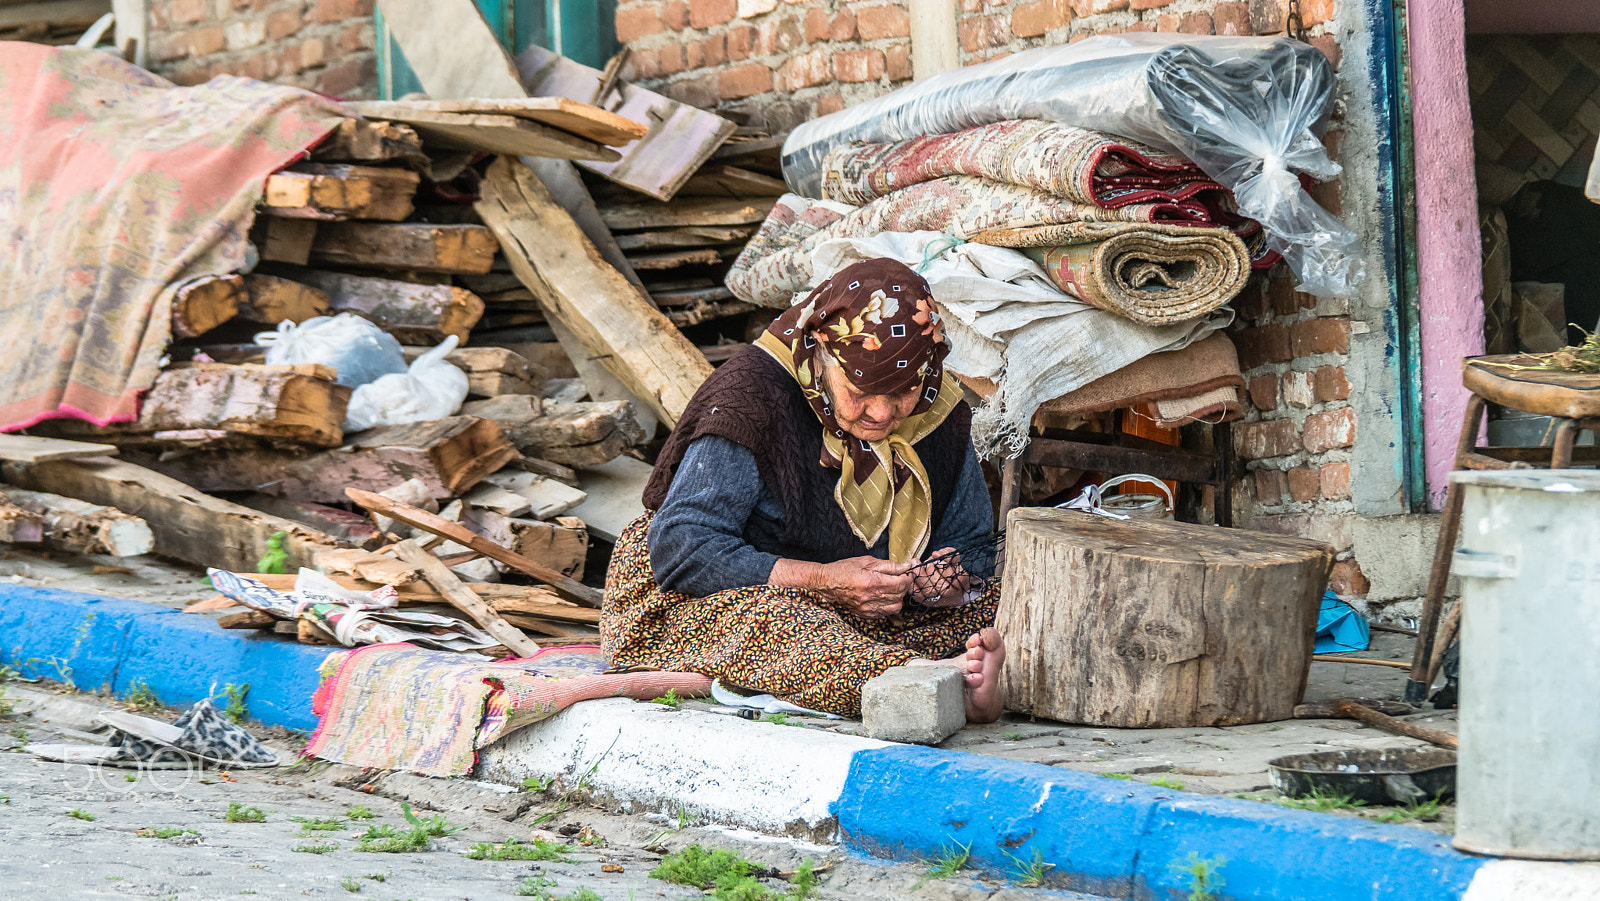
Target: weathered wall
{"type": "Point", "coordinates": [323, 45]}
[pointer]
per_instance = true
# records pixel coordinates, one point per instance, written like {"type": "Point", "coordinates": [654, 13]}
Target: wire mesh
{"type": "Point", "coordinates": [958, 576]}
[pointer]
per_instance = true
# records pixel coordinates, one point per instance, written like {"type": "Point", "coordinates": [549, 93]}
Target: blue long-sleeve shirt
{"type": "Point", "coordinates": [698, 539]}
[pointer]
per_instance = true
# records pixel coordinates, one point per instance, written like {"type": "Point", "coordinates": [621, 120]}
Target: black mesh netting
{"type": "Point", "coordinates": [958, 576]}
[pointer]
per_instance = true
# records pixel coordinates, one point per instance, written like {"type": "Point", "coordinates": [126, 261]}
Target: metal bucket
{"type": "Point", "coordinates": [1529, 564]}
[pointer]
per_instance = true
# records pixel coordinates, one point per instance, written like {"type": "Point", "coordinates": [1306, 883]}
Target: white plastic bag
{"type": "Point", "coordinates": [359, 350]}
{"type": "Point", "coordinates": [431, 389]}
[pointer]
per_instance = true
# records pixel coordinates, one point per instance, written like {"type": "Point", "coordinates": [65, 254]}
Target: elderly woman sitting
{"type": "Point", "coordinates": [807, 478]}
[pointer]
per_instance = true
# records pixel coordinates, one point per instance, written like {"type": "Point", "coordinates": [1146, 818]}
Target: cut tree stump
{"type": "Point", "coordinates": [447, 456]}
{"type": "Point", "coordinates": [1155, 624]}
{"type": "Point", "coordinates": [414, 314]}
{"type": "Point", "coordinates": [270, 300]}
{"type": "Point", "coordinates": [82, 527]}
{"type": "Point", "coordinates": [205, 303]}
{"type": "Point", "coordinates": [189, 525]}
{"type": "Point", "coordinates": [337, 191]}
{"type": "Point", "coordinates": [419, 246]}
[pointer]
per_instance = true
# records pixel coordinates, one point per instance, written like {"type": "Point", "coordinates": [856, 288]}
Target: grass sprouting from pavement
{"type": "Point", "coordinates": [357, 812]}
{"type": "Point", "coordinates": [1204, 880]}
{"type": "Point", "coordinates": [386, 839]}
{"type": "Point", "coordinates": [165, 832]}
{"type": "Point", "coordinates": [319, 848]}
{"type": "Point", "coordinates": [729, 877]}
{"type": "Point", "coordinates": [1164, 782]}
{"type": "Point", "coordinates": [1029, 872]}
{"type": "Point", "coordinates": [670, 699]}
{"type": "Point", "coordinates": [1322, 802]}
{"type": "Point", "coordinates": [78, 813]}
{"type": "Point", "coordinates": [435, 825]}
{"type": "Point", "coordinates": [949, 862]}
{"type": "Point", "coordinates": [515, 850]}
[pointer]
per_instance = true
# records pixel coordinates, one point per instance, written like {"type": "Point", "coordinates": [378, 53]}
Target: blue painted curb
{"type": "Point", "coordinates": [1130, 840]}
{"type": "Point", "coordinates": [98, 642]}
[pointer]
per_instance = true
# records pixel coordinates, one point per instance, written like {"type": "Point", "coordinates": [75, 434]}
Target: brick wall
{"type": "Point", "coordinates": [323, 45]}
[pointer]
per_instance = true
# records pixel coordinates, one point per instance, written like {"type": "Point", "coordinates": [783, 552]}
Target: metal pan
{"type": "Point", "coordinates": [1395, 776]}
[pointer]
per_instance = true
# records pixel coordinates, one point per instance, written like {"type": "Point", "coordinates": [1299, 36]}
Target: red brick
{"type": "Point", "coordinates": [638, 22]}
{"type": "Point", "coordinates": [1303, 484]}
{"type": "Point", "coordinates": [855, 66]}
{"type": "Point", "coordinates": [898, 62]}
{"type": "Point", "coordinates": [971, 6]}
{"type": "Point", "coordinates": [981, 32]}
{"type": "Point", "coordinates": [1271, 486]}
{"type": "Point", "coordinates": [1315, 12]}
{"type": "Point", "coordinates": [196, 42]}
{"type": "Point", "coordinates": [282, 23]}
{"type": "Point", "coordinates": [348, 77]}
{"type": "Point", "coordinates": [829, 104]}
{"type": "Point", "coordinates": [1331, 384]}
{"type": "Point", "coordinates": [1251, 303]}
{"type": "Point", "coordinates": [714, 50]}
{"type": "Point", "coordinates": [313, 53]}
{"type": "Point", "coordinates": [252, 67]}
{"type": "Point", "coordinates": [1329, 430]}
{"type": "Point", "coordinates": [672, 58]}
{"type": "Point", "coordinates": [1096, 7]}
{"type": "Point", "coordinates": [1348, 581]}
{"type": "Point", "coordinates": [741, 38]}
{"type": "Point", "coordinates": [1263, 345]}
{"type": "Point", "coordinates": [1329, 195]}
{"type": "Point", "coordinates": [1030, 20]}
{"type": "Point", "coordinates": [1232, 18]}
{"type": "Point", "coordinates": [188, 76]}
{"type": "Point", "coordinates": [1150, 4]}
{"type": "Point", "coordinates": [805, 71]}
{"type": "Point", "coordinates": [358, 36]}
{"type": "Point", "coordinates": [1268, 16]}
{"type": "Point", "coordinates": [1297, 391]}
{"type": "Point", "coordinates": [1168, 23]}
{"type": "Point", "coordinates": [782, 35]}
{"type": "Point", "coordinates": [1265, 440]}
{"type": "Point", "coordinates": [878, 22]}
{"type": "Point", "coordinates": [1334, 481]}
{"type": "Point", "coordinates": [694, 55]}
{"type": "Point", "coordinates": [843, 27]}
{"type": "Point", "coordinates": [642, 64]}
{"type": "Point", "coordinates": [1139, 27]}
{"type": "Point", "coordinates": [706, 13]}
{"type": "Point", "coordinates": [744, 81]}
{"type": "Point", "coordinates": [1333, 141]}
{"type": "Point", "coordinates": [700, 92]}
{"type": "Point", "coordinates": [675, 15]}
{"type": "Point", "coordinates": [1264, 392]}
{"type": "Point", "coordinates": [1328, 528]}
{"type": "Point", "coordinates": [1195, 23]}
{"type": "Point", "coordinates": [339, 10]}
{"type": "Point", "coordinates": [1320, 336]}
{"type": "Point", "coordinates": [816, 27]}
{"type": "Point", "coordinates": [1329, 45]}
{"type": "Point", "coordinates": [181, 12]}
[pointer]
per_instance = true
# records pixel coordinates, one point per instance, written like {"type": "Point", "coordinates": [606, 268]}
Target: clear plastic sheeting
{"type": "Point", "coordinates": [1247, 111]}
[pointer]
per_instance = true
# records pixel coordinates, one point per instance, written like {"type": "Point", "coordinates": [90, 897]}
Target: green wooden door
{"type": "Point", "coordinates": [583, 30]}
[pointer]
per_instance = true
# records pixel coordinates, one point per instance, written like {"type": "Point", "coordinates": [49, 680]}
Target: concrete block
{"type": "Point", "coordinates": [917, 704]}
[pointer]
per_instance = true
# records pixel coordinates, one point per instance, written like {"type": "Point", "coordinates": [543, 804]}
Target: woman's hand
{"type": "Point", "coordinates": [866, 586]}
{"type": "Point", "coordinates": [942, 583]}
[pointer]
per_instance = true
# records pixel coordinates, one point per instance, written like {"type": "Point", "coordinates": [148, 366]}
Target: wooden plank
{"type": "Point", "coordinates": [292, 403]}
{"type": "Point", "coordinates": [606, 315]}
{"type": "Point", "coordinates": [731, 181]}
{"type": "Point", "coordinates": [31, 449]}
{"type": "Point", "coordinates": [414, 314]}
{"type": "Point", "coordinates": [706, 311]}
{"type": "Point", "coordinates": [561, 545]}
{"type": "Point", "coordinates": [530, 600]}
{"type": "Point", "coordinates": [581, 119]}
{"type": "Point", "coordinates": [674, 259]}
{"type": "Point", "coordinates": [82, 527]}
{"type": "Point", "coordinates": [285, 240]}
{"type": "Point", "coordinates": [545, 496]}
{"type": "Point", "coordinates": [342, 524]}
{"type": "Point", "coordinates": [205, 303]}
{"type": "Point", "coordinates": [270, 300]}
{"type": "Point", "coordinates": [188, 524]}
{"type": "Point", "coordinates": [247, 619]}
{"type": "Point", "coordinates": [691, 236]}
{"type": "Point", "coordinates": [340, 191]}
{"type": "Point", "coordinates": [692, 211]}
{"type": "Point", "coordinates": [580, 434]}
{"type": "Point", "coordinates": [465, 537]}
{"type": "Point", "coordinates": [78, 13]}
{"type": "Point", "coordinates": [362, 141]}
{"type": "Point", "coordinates": [494, 134]}
{"type": "Point", "coordinates": [426, 248]}
{"type": "Point", "coordinates": [680, 140]}
{"type": "Point", "coordinates": [447, 456]}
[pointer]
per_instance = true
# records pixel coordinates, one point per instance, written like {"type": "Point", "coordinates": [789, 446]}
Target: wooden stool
{"type": "Point", "coordinates": [1570, 398]}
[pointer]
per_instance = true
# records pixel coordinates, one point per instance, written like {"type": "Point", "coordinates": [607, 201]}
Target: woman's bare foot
{"type": "Point", "coordinates": [980, 669]}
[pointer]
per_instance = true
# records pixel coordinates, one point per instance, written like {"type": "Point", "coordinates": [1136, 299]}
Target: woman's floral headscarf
{"type": "Point", "coordinates": [877, 319]}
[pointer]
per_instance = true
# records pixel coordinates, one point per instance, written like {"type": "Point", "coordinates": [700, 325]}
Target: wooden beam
{"type": "Point", "coordinates": [188, 524]}
{"type": "Point", "coordinates": [426, 248]}
{"type": "Point", "coordinates": [689, 236]}
{"type": "Point", "coordinates": [447, 455]}
{"type": "Point", "coordinates": [581, 119]}
{"type": "Point", "coordinates": [414, 314]}
{"type": "Point", "coordinates": [270, 300]}
{"type": "Point", "coordinates": [82, 527]}
{"type": "Point", "coordinates": [491, 371]}
{"type": "Point", "coordinates": [362, 141]}
{"type": "Point", "coordinates": [580, 434]}
{"type": "Point", "coordinates": [444, 528]}
{"type": "Point", "coordinates": [673, 259]}
{"type": "Point", "coordinates": [493, 133]}
{"type": "Point", "coordinates": [31, 449]}
{"type": "Point", "coordinates": [340, 191]}
{"type": "Point", "coordinates": [284, 240]}
{"type": "Point", "coordinates": [606, 314]}
{"type": "Point", "coordinates": [562, 545]}
{"type": "Point", "coordinates": [689, 211]}
{"type": "Point", "coordinates": [205, 303]}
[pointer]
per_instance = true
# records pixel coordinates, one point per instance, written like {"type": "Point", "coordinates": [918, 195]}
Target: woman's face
{"type": "Point", "coordinates": [870, 417]}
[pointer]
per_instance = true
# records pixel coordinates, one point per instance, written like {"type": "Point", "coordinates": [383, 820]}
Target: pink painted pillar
{"type": "Point", "coordinates": [1449, 257]}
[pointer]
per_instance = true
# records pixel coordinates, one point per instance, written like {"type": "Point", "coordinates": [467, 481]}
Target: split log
{"type": "Point", "coordinates": [19, 526]}
{"type": "Point", "coordinates": [370, 141]}
{"type": "Point", "coordinates": [414, 314]}
{"type": "Point", "coordinates": [574, 434]}
{"type": "Point", "coordinates": [300, 403]}
{"type": "Point", "coordinates": [270, 300]}
{"type": "Point", "coordinates": [491, 371]}
{"type": "Point", "coordinates": [605, 314]}
{"type": "Point", "coordinates": [581, 119]}
{"type": "Point", "coordinates": [427, 248]}
{"type": "Point", "coordinates": [460, 534]}
{"type": "Point", "coordinates": [447, 455]}
{"type": "Point", "coordinates": [458, 594]}
{"type": "Point", "coordinates": [561, 545]}
{"type": "Point", "coordinates": [33, 449]}
{"type": "Point", "coordinates": [188, 525]}
{"type": "Point", "coordinates": [691, 211]}
{"type": "Point", "coordinates": [84, 528]}
{"type": "Point", "coordinates": [336, 191]}
{"type": "Point", "coordinates": [491, 133]}
{"type": "Point", "coordinates": [1155, 624]}
{"type": "Point", "coordinates": [205, 303]}
{"type": "Point", "coordinates": [285, 240]}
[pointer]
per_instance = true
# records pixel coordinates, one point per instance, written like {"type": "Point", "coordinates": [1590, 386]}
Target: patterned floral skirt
{"type": "Point", "coordinates": [788, 642]}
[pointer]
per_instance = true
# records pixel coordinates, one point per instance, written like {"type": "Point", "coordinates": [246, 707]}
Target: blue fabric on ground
{"type": "Point", "coordinates": [1340, 627]}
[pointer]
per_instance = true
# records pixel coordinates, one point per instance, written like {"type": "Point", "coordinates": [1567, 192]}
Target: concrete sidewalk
{"type": "Point", "coordinates": [1114, 838]}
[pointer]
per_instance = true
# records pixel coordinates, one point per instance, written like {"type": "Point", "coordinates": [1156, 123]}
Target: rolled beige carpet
{"type": "Point", "coordinates": [1148, 272]}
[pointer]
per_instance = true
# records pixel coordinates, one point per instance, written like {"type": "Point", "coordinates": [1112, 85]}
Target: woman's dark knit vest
{"type": "Point", "coordinates": [751, 401]}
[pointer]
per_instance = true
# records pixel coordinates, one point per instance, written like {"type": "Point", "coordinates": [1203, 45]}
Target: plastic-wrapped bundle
{"type": "Point", "coordinates": [1247, 111]}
